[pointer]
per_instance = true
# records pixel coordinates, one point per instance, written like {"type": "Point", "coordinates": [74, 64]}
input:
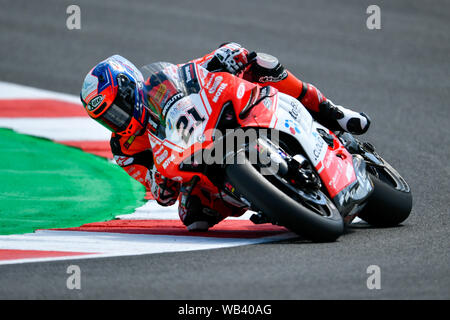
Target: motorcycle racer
{"type": "Point", "coordinates": [114, 94]}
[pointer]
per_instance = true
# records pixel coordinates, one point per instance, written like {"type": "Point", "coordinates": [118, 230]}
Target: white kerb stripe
{"type": "Point", "coordinates": [17, 91]}
{"type": "Point", "coordinates": [59, 129]}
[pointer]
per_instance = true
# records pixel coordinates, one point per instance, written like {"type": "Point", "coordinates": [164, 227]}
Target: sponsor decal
{"type": "Point", "coordinates": [267, 103]}
{"type": "Point", "coordinates": [211, 79]}
{"type": "Point", "coordinates": [219, 92]}
{"type": "Point", "coordinates": [129, 142]}
{"type": "Point", "coordinates": [240, 91]}
{"type": "Point", "coordinates": [292, 126]}
{"type": "Point", "coordinates": [95, 102]}
{"type": "Point", "coordinates": [217, 81]}
{"type": "Point", "coordinates": [318, 145]}
{"type": "Point", "coordinates": [348, 194]}
{"type": "Point", "coordinates": [177, 107]}
{"type": "Point", "coordinates": [162, 157]}
{"type": "Point", "coordinates": [153, 124]}
{"type": "Point", "coordinates": [263, 94]}
{"type": "Point", "coordinates": [191, 80]}
{"type": "Point", "coordinates": [123, 161]}
{"type": "Point", "coordinates": [203, 73]}
{"type": "Point", "coordinates": [170, 102]}
{"type": "Point", "coordinates": [160, 93]}
{"type": "Point", "coordinates": [168, 161]}
{"type": "Point", "coordinates": [89, 86]}
{"type": "Point", "coordinates": [265, 91]}
{"type": "Point", "coordinates": [159, 150]}
{"type": "Point", "coordinates": [280, 77]}
{"type": "Point", "coordinates": [332, 182]}
{"type": "Point", "coordinates": [188, 71]}
{"type": "Point", "coordinates": [320, 96]}
{"type": "Point", "coordinates": [294, 111]}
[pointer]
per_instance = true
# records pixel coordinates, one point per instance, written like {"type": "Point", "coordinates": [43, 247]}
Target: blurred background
{"type": "Point", "coordinates": [326, 43]}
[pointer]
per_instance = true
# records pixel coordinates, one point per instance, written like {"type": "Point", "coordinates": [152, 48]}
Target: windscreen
{"type": "Point", "coordinates": [163, 87]}
{"type": "Point", "coordinates": [170, 92]}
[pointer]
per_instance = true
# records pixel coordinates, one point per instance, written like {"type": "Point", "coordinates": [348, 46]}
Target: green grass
{"type": "Point", "coordinates": [47, 185]}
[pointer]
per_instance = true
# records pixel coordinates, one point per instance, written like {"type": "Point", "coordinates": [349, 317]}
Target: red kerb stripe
{"type": "Point", "coordinates": [13, 254]}
{"type": "Point", "coordinates": [226, 229]}
{"type": "Point", "coordinates": [40, 108]}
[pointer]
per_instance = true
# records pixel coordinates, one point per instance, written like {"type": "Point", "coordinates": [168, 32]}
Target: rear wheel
{"type": "Point", "coordinates": [308, 213]}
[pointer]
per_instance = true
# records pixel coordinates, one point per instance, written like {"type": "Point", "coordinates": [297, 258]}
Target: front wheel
{"type": "Point", "coordinates": [319, 220]}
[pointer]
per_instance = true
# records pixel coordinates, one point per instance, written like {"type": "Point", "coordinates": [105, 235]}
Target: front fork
{"type": "Point", "coordinates": [365, 149]}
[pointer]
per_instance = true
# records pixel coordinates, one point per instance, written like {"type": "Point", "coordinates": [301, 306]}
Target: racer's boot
{"type": "Point", "coordinates": [338, 118]}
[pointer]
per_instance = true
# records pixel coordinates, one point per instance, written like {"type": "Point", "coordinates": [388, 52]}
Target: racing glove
{"type": "Point", "coordinates": [230, 57]}
{"type": "Point", "coordinates": [164, 190]}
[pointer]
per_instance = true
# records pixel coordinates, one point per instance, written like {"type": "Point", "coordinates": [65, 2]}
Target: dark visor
{"type": "Point", "coordinates": [118, 116]}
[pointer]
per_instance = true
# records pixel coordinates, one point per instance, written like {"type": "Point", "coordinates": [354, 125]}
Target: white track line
{"type": "Point", "coordinates": [117, 244]}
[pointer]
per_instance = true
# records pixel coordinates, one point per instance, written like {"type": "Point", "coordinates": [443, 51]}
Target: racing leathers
{"type": "Point", "coordinates": [198, 209]}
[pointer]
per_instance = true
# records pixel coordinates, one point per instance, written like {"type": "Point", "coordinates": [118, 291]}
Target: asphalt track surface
{"type": "Point", "coordinates": [398, 74]}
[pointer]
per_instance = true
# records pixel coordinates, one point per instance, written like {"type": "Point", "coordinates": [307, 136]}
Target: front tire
{"type": "Point", "coordinates": [281, 208]}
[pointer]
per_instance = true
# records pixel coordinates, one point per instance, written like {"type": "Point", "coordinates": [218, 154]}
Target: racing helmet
{"type": "Point", "coordinates": [112, 94]}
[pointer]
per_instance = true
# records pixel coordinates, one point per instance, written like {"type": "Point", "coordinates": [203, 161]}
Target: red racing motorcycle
{"type": "Point", "coordinates": [260, 149]}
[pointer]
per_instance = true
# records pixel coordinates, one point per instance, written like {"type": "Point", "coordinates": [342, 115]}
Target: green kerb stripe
{"type": "Point", "coordinates": [48, 185]}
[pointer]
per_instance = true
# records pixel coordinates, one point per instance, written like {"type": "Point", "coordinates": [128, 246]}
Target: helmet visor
{"type": "Point", "coordinates": [118, 116]}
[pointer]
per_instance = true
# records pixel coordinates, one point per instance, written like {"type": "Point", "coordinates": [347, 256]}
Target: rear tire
{"type": "Point", "coordinates": [389, 205]}
{"type": "Point", "coordinates": [282, 208]}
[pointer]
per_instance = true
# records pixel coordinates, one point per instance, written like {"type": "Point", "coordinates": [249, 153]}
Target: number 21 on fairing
{"type": "Point", "coordinates": [187, 123]}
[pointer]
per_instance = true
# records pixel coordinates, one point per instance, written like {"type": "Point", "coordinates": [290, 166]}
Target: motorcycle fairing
{"type": "Point", "coordinates": [269, 109]}
{"type": "Point", "coordinates": [286, 114]}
